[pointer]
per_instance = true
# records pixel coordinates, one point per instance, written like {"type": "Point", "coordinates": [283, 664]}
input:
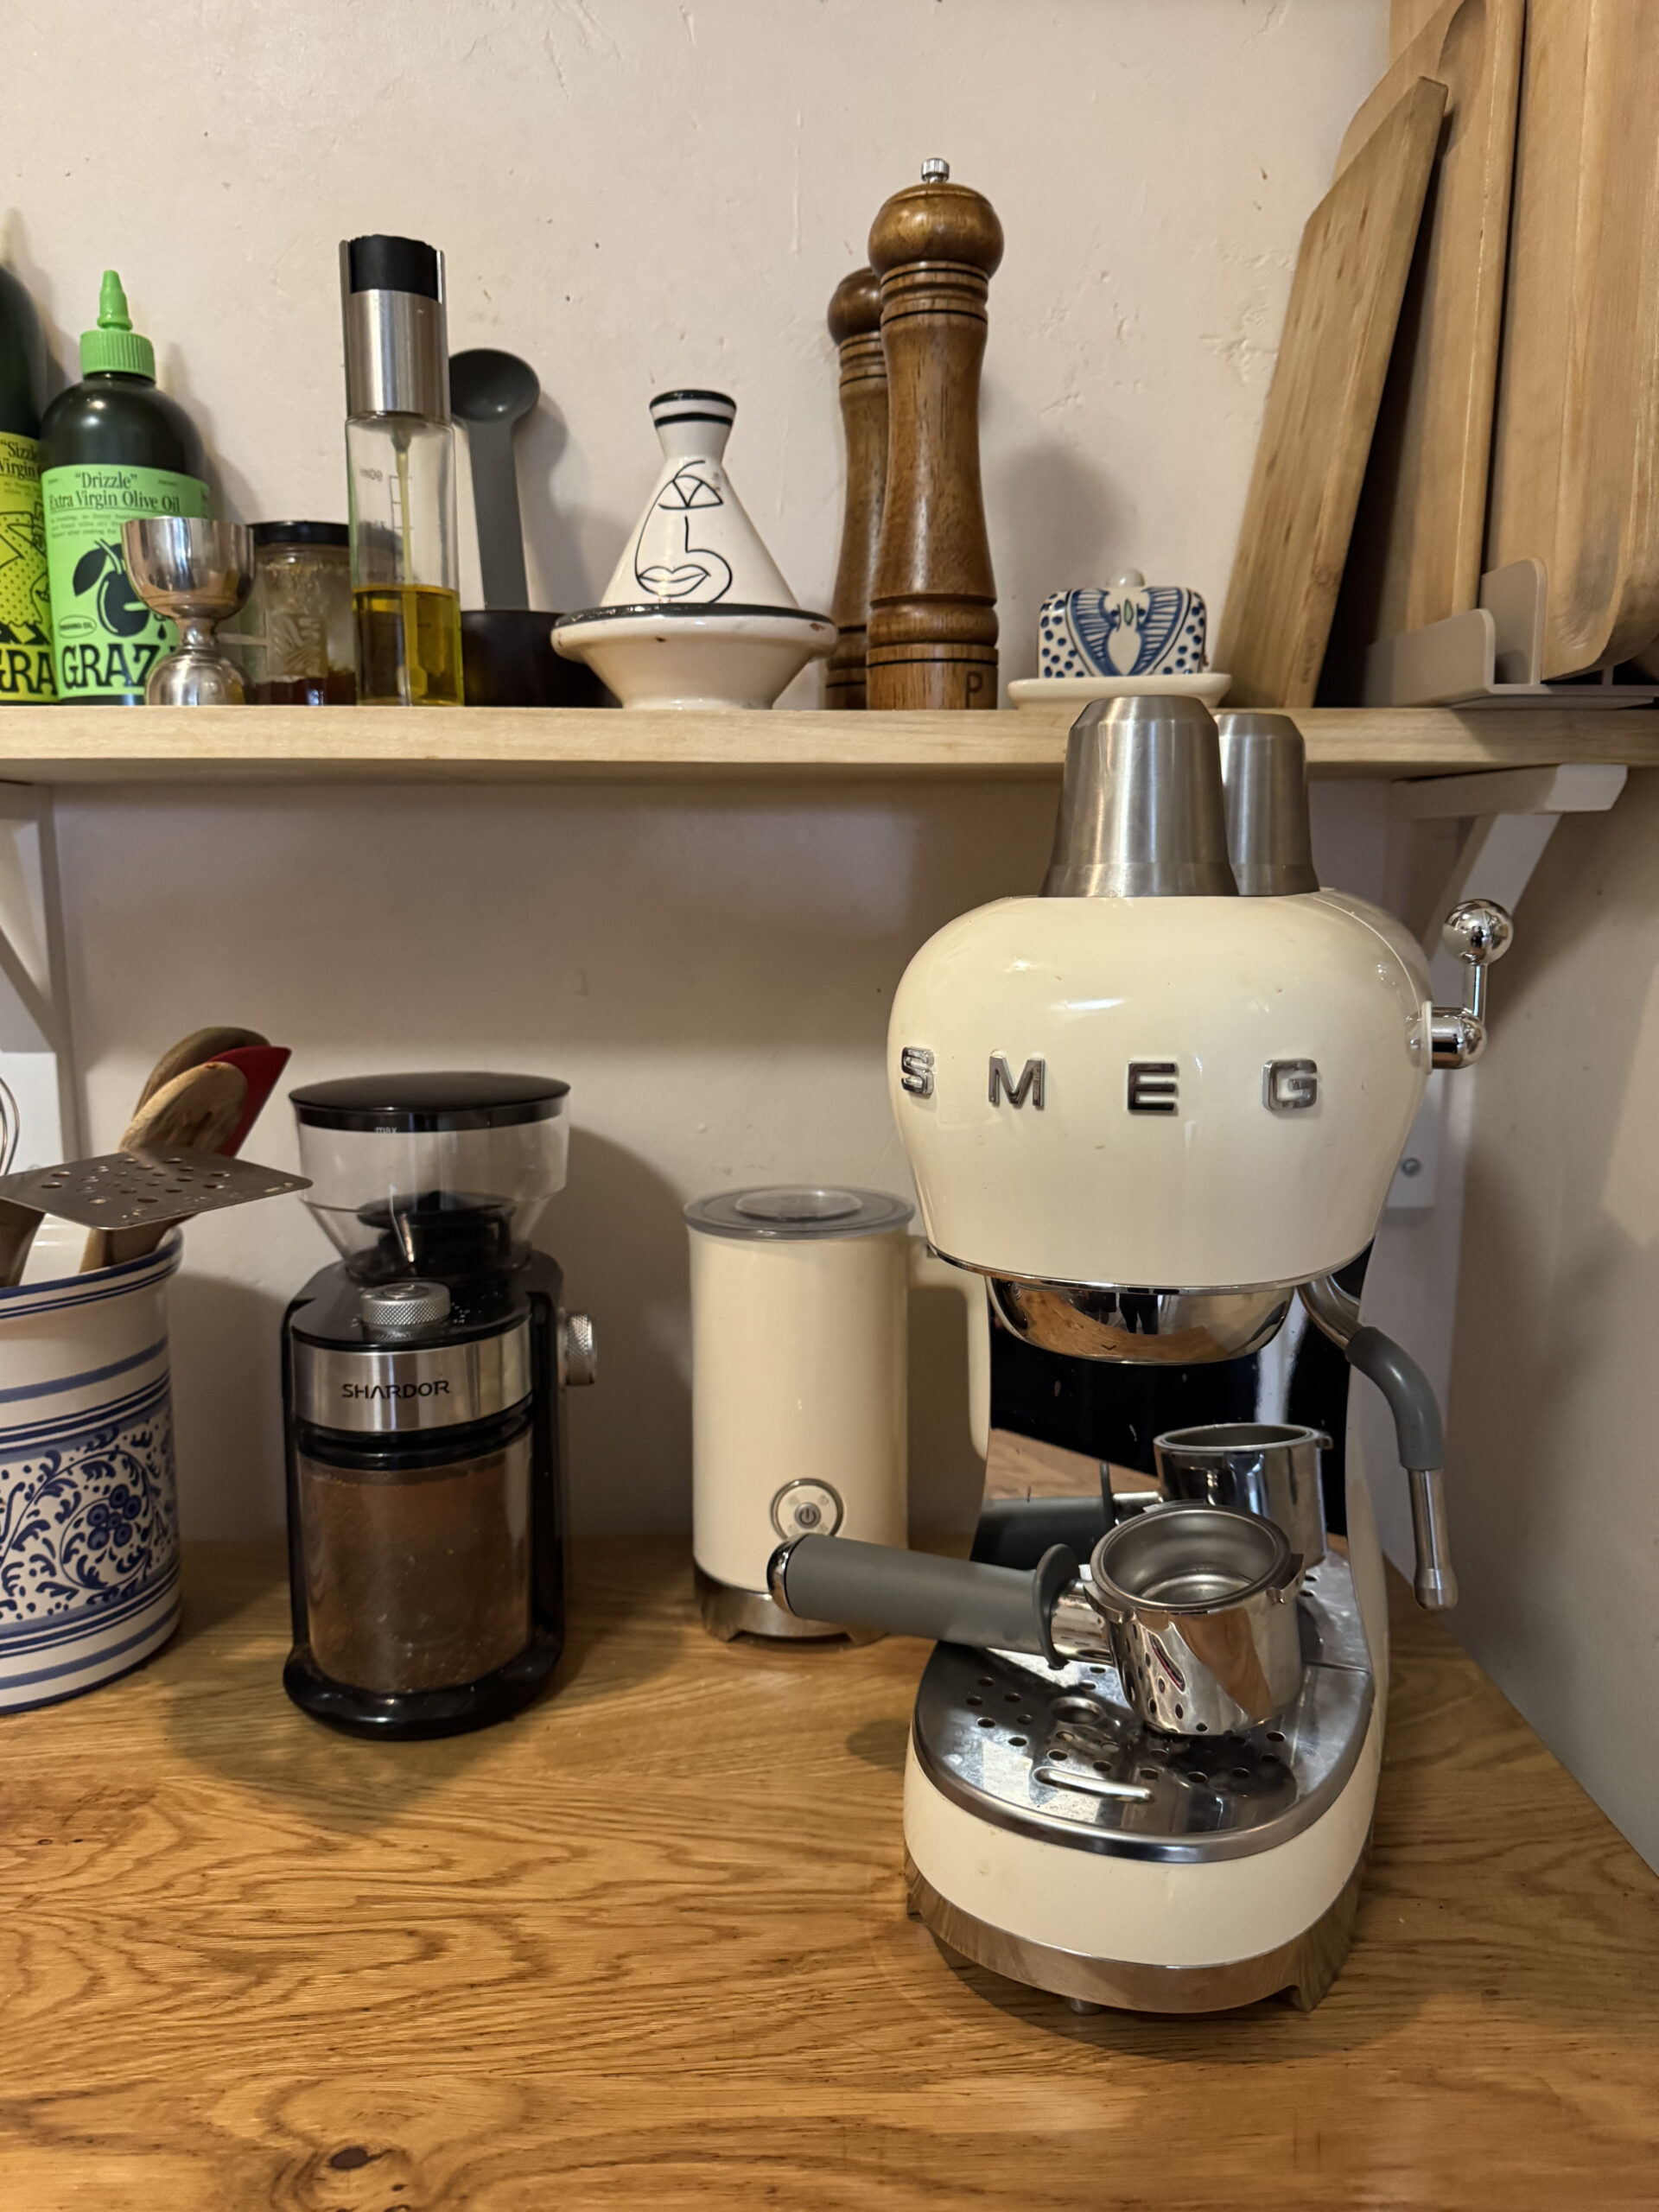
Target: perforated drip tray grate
{"type": "Point", "coordinates": [127, 1189]}
{"type": "Point", "coordinates": [1058, 1754]}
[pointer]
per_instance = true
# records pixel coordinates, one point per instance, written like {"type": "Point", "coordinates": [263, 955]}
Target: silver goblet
{"type": "Point", "coordinates": [197, 574]}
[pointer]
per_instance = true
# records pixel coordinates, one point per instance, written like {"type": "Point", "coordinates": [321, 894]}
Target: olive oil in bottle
{"type": "Point", "coordinates": [112, 449]}
{"type": "Point", "coordinates": [408, 646]}
{"type": "Point", "coordinates": [25, 607]}
{"type": "Point", "coordinates": [400, 453]}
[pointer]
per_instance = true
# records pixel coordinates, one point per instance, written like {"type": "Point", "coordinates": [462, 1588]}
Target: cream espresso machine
{"type": "Point", "coordinates": [1153, 1108]}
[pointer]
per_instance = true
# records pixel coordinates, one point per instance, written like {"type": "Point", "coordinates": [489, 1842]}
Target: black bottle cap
{"type": "Point", "coordinates": [300, 533]}
{"type": "Point", "coordinates": [388, 264]}
{"type": "Point", "coordinates": [420, 1103]}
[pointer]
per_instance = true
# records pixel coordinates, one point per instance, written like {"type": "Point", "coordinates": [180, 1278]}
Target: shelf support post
{"type": "Point", "coordinates": [36, 1052]}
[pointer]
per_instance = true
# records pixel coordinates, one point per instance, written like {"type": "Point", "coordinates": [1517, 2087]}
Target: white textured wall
{"type": "Point", "coordinates": [631, 194]}
{"type": "Point", "coordinates": [1552, 1441]}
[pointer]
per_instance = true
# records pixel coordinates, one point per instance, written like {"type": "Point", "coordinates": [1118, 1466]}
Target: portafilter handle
{"type": "Point", "coordinates": [951, 1601]}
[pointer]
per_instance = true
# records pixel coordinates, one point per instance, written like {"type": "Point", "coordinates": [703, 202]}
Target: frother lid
{"type": "Point", "coordinates": [428, 1101]}
{"type": "Point", "coordinates": [799, 1213]}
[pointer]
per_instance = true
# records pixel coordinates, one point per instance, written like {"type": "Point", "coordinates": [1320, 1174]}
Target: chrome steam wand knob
{"type": "Point", "coordinates": [1479, 931]}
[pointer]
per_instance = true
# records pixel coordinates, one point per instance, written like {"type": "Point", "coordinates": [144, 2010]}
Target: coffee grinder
{"type": "Point", "coordinates": [1154, 1109]}
{"type": "Point", "coordinates": [423, 1381]}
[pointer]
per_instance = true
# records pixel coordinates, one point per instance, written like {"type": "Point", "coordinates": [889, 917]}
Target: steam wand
{"type": "Point", "coordinates": [1416, 1426]}
{"type": "Point", "coordinates": [1478, 932]}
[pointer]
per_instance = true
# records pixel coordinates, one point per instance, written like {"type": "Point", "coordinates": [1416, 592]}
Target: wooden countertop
{"type": "Point", "coordinates": [646, 1947]}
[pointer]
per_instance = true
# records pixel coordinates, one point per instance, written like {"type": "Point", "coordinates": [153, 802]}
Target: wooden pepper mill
{"type": "Point", "coordinates": [932, 633]}
{"type": "Point", "coordinates": [855, 326]}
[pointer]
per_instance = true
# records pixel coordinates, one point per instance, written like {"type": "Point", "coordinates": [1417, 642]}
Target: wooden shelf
{"type": "Point", "coordinates": [92, 745]}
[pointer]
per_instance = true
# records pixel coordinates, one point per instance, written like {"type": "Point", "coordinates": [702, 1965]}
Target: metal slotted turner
{"type": "Point", "coordinates": [138, 1188]}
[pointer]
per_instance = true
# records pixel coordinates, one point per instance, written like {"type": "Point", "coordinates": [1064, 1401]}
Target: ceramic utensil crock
{"type": "Point", "coordinates": [89, 1530]}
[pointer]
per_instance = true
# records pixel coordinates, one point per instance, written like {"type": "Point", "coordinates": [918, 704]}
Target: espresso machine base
{"type": "Point", "coordinates": [1053, 1838]}
{"type": "Point", "coordinates": [727, 1612]}
{"type": "Point", "coordinates": [1301, 1970]}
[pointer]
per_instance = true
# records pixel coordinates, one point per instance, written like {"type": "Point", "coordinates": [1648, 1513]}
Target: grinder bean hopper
{"type": "Point", "coordinates": [1155, 1107]}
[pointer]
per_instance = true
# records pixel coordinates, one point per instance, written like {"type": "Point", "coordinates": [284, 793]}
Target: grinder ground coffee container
{"type": "Point", "coordinates": [423, 1378]}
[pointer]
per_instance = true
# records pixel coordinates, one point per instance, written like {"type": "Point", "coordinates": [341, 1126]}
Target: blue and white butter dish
{"type": "Point", "coordinates": [1130, 637]}
{"type": "Point", "coordinates": [1134, 628]}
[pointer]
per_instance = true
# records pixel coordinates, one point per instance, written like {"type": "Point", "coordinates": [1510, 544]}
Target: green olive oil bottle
{"type": "Point", "coordinates": [25, 607]}
{"type": "Point", "coordinates": [111, 448]}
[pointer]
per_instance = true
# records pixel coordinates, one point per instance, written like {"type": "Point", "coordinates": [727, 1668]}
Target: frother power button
{"type": "Point", "coordinates": [806, 1508]}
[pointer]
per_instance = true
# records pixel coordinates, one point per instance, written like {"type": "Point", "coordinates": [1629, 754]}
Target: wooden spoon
{"type": "Point", "coordinates": [198, 1112]}
{"type": "Point", "coordinates": [17, 1228]}
{"type": "Point", "coordinates": [192, 1052]}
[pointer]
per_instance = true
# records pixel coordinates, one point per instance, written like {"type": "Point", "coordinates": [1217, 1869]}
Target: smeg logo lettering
{"type": "Point", "coordinates": [1288, 1086]}
{"type": "Point", "coordinates": [1032, 1079]}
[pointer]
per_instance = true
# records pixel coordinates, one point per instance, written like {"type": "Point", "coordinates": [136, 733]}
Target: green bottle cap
{"type": "Point", "coordinates": [115, 344]}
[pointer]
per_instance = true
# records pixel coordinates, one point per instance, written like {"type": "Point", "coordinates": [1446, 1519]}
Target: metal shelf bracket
{"type": "Point", "coordinates": [1499, 825]}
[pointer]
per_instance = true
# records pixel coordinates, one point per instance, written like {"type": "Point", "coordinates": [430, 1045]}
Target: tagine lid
{"type": "Point", "coordinates": [694, 546]}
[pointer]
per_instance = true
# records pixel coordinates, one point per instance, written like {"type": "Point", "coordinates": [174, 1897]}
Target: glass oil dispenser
{"type": "Point", "coordinates": [400, 452]}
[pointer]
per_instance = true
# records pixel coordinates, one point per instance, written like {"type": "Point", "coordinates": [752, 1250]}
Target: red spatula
{"type": "Point", "coordinates": [259, 1067]}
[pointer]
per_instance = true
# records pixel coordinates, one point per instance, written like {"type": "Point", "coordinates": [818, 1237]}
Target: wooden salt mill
{"type": "Point", "coordinates": [855, 326]}
{"type": "Point", "coordinates": [933, 630]}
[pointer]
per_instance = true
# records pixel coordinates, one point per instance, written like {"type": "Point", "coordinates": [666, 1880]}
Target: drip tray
{"type": "Point", "coordinates": [1056, 1753]}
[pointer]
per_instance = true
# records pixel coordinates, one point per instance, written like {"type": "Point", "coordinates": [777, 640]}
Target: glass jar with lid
{"type": "Point", "coordinates": [295, 639]}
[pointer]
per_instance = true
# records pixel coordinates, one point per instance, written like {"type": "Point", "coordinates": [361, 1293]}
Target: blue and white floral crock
{"type": "Point", "coordinates": [1134, 629]}
{"type": "Point", "coordinates": [89, 1522]}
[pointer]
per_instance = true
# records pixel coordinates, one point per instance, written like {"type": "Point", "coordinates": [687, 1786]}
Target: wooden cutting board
{"type": "Point", "coordinates": [1573, 473]}
{"type": "Point", "coordinates": [1333, 357]}
{"type": "Point", "coordinates": [1406, 19]}
{"type": "Point", "coordinates": [1419, 533]}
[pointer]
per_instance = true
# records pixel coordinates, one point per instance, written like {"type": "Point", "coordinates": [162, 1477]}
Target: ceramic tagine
{"type": "Point", "coordinates": [696, 613]}
{"type": "Point", "coordinates": [1130, 637]}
